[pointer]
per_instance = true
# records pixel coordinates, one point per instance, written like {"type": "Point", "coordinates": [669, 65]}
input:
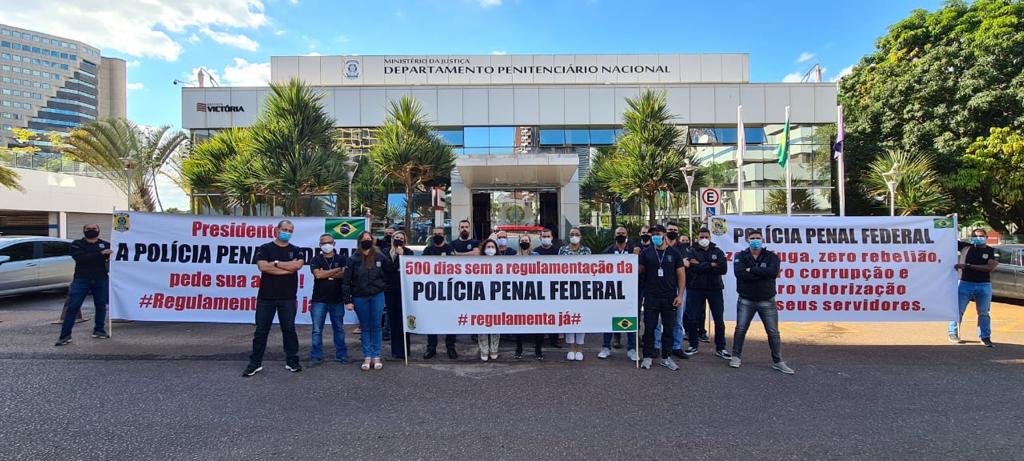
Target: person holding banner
{"type": "Point", "coordinates": [976, 284]}
{"type": "Point", "coordinates": [92, 256]}
{"type": "Point", "coordinates": [704, 286]}
{"type": "Point", "coordinates": [488, 343]}
{"type": "Point", "coordinates": [438, 247]}
{"type": "Point", "coordinates": [538, 339]}
{"type": "Point", "coordinates": [503, 249]}
{"type": "Point", "coordinates": [465, 244]}
{"type": "Point", "coordinates": [279, 263]}
{"type": "Point", "coordinates": [328, 268]}
{"type": "Point", "coordinates": [575, 247]}
{"type": "Point", "coordinates": [548, 248]}
{"type": "Point", "coordinates": [756, 270]}
{"type": "Point", "coordinates": [363, 286]}
{"type": "Point", "coordinates": [621, 246]}
{"type": "Point", "coordinates": [393, 296]}
{"type": "Point", "coordinates": [664, 279]}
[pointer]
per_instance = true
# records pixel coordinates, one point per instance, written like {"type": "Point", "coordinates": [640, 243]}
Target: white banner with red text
{"type": "Point", "coordinates": [851, 269]}
{"type": "Point", "coordinates": [188, 268]}
{"type": "Point", "coordinates": [519, 294]}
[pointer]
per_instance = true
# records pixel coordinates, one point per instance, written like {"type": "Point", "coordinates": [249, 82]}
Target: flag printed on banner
{"type": "Point", "coordinates": [943, 223]}
{"type": "Point", "coordinates": [623, 323]}
{"type": "Point", "coordinates": [837, 148]}
{"type": "Point", "coordinates": [783, 150]}
{"type": "Point", "coordinates": [344, 228]}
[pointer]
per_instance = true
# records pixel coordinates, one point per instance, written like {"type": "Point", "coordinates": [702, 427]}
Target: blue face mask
{"type": "Point", "coordinates": [979, 240]}
{"type": "Point", "coordinates": [755, 244]}
{"type": "Point", "coordinates": [285, 236]}
{"type": "Point", "coordinates": [656, 240]}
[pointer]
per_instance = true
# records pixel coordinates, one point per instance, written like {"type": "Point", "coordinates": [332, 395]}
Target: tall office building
{"type": "Point", "coordinates": [53, 84]}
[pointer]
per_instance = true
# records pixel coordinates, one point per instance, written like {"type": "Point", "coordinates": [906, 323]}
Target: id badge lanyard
{"type": "Point", "coordinates": [661, 257]}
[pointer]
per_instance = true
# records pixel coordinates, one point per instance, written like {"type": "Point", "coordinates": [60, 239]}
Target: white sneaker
{"type": "Point", "coordinates": [570, 356]}
{"type": "Point", "coordinates": [735, 362]}
{"type": "Point", "coordinates": [632, 355]}
{"type": "Point", "coordinates": [670, 364]}
{"type": "Point", "coordinates": [605, 352]}
{"type": "Point", "coordinates": [646, 364]}
{"type": "Point", "coordinates": [579, 356]}
{"type": "Point", "coordinates": [483, 357]}
{"type": "Point", "coordinates": [781, 366]}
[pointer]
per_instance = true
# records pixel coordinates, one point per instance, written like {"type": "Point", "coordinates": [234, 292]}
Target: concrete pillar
{"type": "Point", "coordinates": [461, 205]}
{"type": "Point", "coordinates": [569, 206]}
{"type": "Point", "coordinates": [62, 225]}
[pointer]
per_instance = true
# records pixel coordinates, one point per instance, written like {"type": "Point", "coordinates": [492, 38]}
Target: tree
{"type": "Point", "coordinates": [206, 171]}
{"type": "Point", "coordinates": [919, 191]}
{"type": "Point", "coordinates": [408, 151]}
{"type": "Point", "coordinates": [936, 82]}
{"type": "Point", "coordinates": [596, 185]}
{"type": "Point", "coordinates": [647, 156]}
{"type": "Point", "coordinates": [995, 169]}
{"type": "Point", "coordinates": [20, 143]}
{"type": "Point", "coordinates": [127, 156]}
{"type": "Point", "coordinates": [803, 202]}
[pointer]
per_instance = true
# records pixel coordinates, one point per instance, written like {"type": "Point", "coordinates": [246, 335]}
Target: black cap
{"type": "Point", "coordinates": [658, 228]}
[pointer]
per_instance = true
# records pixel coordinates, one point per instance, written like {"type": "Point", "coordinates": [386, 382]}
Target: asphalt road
{"type": "Point", "coordinates": [173, 391]}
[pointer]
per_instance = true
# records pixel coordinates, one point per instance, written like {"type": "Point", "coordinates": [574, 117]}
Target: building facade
{"type": "Point", "coordinates": [51, 84]}
{"type": "Point", "coordinates": [525, 127]}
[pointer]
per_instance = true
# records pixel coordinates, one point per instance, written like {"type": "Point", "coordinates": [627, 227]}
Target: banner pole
{"type": "Point", "coordinates": [405, 343]}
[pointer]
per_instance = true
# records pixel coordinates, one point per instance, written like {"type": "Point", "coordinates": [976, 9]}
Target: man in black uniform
{"type": "Point", "coordinates": [704, 286]}
{"type": "Point", "coordinates": [91, 255]}
{"type": "Point", "coordinates": [548, 248]}
{"type": "Point", "coordinates": [621, 246]}
{"type": "Point", "coordinates": [279, 263]}
{"type": "Point", "coordinates": [465, 244]}
{"type": "Point", "coordinates": [438, 247]}
{"type": "Point", "coordinates": [664, 279]}
{"type": "Point", "coordinates": [976, 283]}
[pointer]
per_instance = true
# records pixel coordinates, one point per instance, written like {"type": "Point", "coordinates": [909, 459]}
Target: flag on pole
{"type": "Point", "coordinates": [837, 148]}
{"type": "Point", "coordinates": [783, 150]}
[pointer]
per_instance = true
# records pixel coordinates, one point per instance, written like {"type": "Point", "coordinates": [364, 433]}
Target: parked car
{"type": "Point", "coordinates": [29, 264]}
{"type": "Point", "coordinates": [1008, 278]}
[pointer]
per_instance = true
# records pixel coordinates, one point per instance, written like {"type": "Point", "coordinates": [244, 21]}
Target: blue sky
{"type": "Point", "coordinates": [163, 40]}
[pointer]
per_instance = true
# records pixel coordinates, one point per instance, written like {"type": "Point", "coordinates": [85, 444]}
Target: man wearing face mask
{"type": "Point", "coordinates": [385, 242]}
{"type": "Point", "coordinates": [704, 287]}
{"type": "Point", "coordinates": [91, 255]}
{"type": "Point", "coordinates": [621, 246]}
{"type": "Point", "coordinates": [328, 267]}
{"type": "Point", "coordinates": [279, 263]}
{"type": "Point", "coordinates": [438, 247]}
{"type": "Point", "coordinates": [975, 283]}
{"type": "Point", "coordinates": [682, 244]}
{"type": "Point", "coordinates": [664, 279]}
{"type": "Point", "coordinates": [756, 270]}
{"type": "Point", "coordinates": [465, 244]}
{"type": "Point", "coordinates": [547, 248]}
{"type": "Point", "coordinates": [501, 237]}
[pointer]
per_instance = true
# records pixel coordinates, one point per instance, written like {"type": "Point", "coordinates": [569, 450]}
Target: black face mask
{"type": "Point", "coordinates": [464, 235]}
{"type": "Point", "coordinates": [620, 239]}
{"type": "Point", "coordinates": [387, 238]}
{"type": "Point", "coordinates": [366, 244]}
{"type": "Point", "coordinates": [91, 234]}
{"type": "Point", "coordinates": [437, 239]}
{"type": "Point", "coordinates": [672, 235]}
{"type": "Point", "coordinates": [399, 242]}
{"type": "Point", "coordinates": [685, 244]}
{"type": "Point", "coordinates": [524, 245]}
{"type": "Point", "coordinates": [646, 239]}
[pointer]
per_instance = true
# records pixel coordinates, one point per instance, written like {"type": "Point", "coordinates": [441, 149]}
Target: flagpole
{"type": "Point", "coordinates": [841, 143]}
{"type": "Point", "coordinates": [789, 175]}
{"type": "Point", "coordinates": [741, 147]}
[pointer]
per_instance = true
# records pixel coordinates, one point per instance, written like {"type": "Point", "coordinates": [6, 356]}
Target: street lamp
{"type": "Point", "coordinates": [892, 179]}
{"type": "Point", "coordinates": [688, 172]}
{"type": "Point", "coordinates": [351, 165]}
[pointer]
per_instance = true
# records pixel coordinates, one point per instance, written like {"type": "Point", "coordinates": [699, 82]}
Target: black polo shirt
{"type": "Point", "coordinates": [274, 286]}
{"type": "Point", "coordinates": [327, 290]}
{"type": "Point", "coordinates": [978, 256]}
{"type": "Point", "coordinates": [465, 246]}
{"type": "Point", "coordinates": [549, 251]}
{"type": "Point", "coordinates": [667, 284]}
{"type": "Point", "coordinates": [434, 250]}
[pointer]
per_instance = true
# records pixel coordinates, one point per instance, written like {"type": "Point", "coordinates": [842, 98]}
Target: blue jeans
{"type": "Point", "coordinates": [677, 333]}
{"type": "Point", "coordinates": [79, 289]}
{"type": "Point", "coordinates": [696, 299]}
{"type": "Point", "coordinates": [745, 310]}
{"type": "Point", "coordinates": [319, 312]}
{"type": "Point", "coordinates": [982, 295]}
{"type": "Point", "coordinates": [370, 309]}
{"type": "Point", "coordinates": [630, 340]}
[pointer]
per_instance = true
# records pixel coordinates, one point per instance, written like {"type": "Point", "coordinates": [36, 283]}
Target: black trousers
{"type": "Point", "coordinates": [449, 342]}
{"type": "Point", "coordinates": [653, 309]}
{"type": "Point", "coordinates": [265, 310]}
{"type": "Point", "coordinates": [393, 301]}
{"type": "Point", "coordinates": [538, 342]}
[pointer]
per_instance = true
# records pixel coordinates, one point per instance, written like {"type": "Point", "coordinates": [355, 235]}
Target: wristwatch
{"type": "Point", "coordinates": [275, 263]}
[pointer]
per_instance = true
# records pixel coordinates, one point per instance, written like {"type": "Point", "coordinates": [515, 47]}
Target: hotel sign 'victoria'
{"type": "Point", "coordinates": [538, 117]}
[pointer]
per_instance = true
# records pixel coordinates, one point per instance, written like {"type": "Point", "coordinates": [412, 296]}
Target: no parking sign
{"type": "Point", "coordinates": [710, 202]}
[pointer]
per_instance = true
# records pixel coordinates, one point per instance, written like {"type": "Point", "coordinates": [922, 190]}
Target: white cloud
{"type": "Point", "coordinates": [489, 3]}
{"type": "Point", "coordinates": [499, 52]}
{"type": "Point", "coordinates": [140, 28]}
{"type": "Point", "coordinates": [279, 32]}
{"type": "Point", "coordinates": [193, 39]}
{"type": "Point", "coordinates": [804, 57]}
{"type": "Point", "coordinates": [133, 64]}
{"type": "Point", "coordinates": [846, 71]}
{"type": "Point", "coordinates": [793, 77]}
{"type": "Point", "coordinates": [245, 73]}
{"type": "Point", "coordinates": [293, 2]}
{"type": "Point", "coordinates": [312, 53]}
{"type": "Point", "coordinates": [224, 38]}
{"type": "Point", "coordinates": [135, 86]}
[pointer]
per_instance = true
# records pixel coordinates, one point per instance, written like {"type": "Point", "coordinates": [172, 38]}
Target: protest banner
{"type": "Point", "coordinates": [519, 294]}
{"type": "Point", "coordinates": [852, 269]}
{"type": "Point", "coordinates": [187, 268]}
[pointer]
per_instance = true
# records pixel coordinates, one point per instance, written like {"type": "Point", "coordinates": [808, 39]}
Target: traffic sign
{"type": "Point", "coordinates": [709, 196]}
{"type": "Point", "coordinates": [710, 211]}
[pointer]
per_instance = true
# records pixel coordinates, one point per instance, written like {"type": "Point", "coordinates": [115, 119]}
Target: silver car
{"type": "Point", "coordinates": [1008, 278]}
{"type": "Point", "coordinates": [29, 264]}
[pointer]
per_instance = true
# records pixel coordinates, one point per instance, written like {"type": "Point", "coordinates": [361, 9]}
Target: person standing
{"type": "Point", "coordinates": [574, 248]}
{"type": "Point", "coordinates": [366, 278]}
{"type": "Point", "coordinates": [756, 270]}
{"type": "Point", "coordinates": [548, 248]}
{"type": "Point", "coordinates": [682, 244]}
{"type": "Point", "coordinates": [976, 284]}
{"type": "Point", "coordinates": [501, 237]}
{"type": "Point", "coordinates": [393, 296]}
{"type": "Point", "coordinates": [620, 247]}
{"type": "Point", "coordinates": [489, 343]}
{"type": "Point", "coordinates": [438, 247]}
{"type": "Point", "coordinates": [384, 243]}
{"type": "Point", "coordinates": [92, 257]}
{"type": "Point", "coordinates": [664, 279]}
{"type": "Point", "coordinates": [466, 244]}
{"type": "Point", "coordinates": [538, 338]}
{"type": "Point", "coordinates": [704, 286]}
{"type": "Point", "coordinates": [328, 268]}
{"type": "Point", "coordinates": [279, 263]}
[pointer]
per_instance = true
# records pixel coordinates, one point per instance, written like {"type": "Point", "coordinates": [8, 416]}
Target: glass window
{"type": "Point", "coordinates": [476, 137]}
{"type": "Point", "coordinates": [502, 136]}
{"type": "Point", "coordinates": [578, 137]}
{"type": "Point", "coordinates": [602, 137]}
{"type": "Point", "coordinates": [550, 137]}
{"type": "Point", "coordinates": [18, 251]}
{"type": "Point", "coordinates": [451, 137]}
{"type": "Point", "coordinates": [56, 249]}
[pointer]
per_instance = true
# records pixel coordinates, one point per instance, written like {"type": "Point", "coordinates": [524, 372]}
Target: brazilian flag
{"type": "Point", "coordinates": [344, 228]}
{"type": "Point", "coordinates": [624, 324]}
{"type": "Point", "coordinates": [943, 223]}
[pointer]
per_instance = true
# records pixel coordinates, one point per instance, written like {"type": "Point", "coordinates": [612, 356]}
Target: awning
{"type": "Point", "coordinates": [516, 170]}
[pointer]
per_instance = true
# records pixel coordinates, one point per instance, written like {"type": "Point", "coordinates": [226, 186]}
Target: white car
{"type": "Point", "coordinates": [29, 264]}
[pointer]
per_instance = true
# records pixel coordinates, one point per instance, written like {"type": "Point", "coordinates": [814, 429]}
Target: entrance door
{"type": "Point", "coordinates": [481, 215]}
{"type": "Point", "coordinates": [549, 211]}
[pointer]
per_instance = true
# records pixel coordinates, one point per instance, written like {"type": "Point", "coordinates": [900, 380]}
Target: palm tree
{"type": "Point", "coordinates": [203, 171]}
{"type": "Point", "coordinates": [803, 202]}
{"type": "Point", "coordinates": [21, 145]}
{"type": "Point", "coordinates": [919, 191]}
{"type": "Point", "coordinates": [295, 139]}
{"type": "Point", "coordinates": [596, 186]}
{"type": "Point", "coordinates": [126, 155]}
{"type": "Point", "coordinates": [648, 157]}
{"type": "Point", "coordinates": [409, 152]}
